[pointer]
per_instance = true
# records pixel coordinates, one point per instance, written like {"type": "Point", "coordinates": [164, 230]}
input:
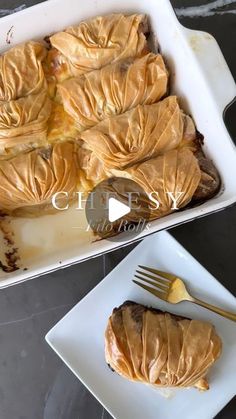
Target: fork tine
{"type": "Point", "coordinates": [166, 275]}
{"type": "Point", "coordinates": [155, 284]}
{"type": "Point", "coordinates": [162, 284]}
{"type": "Point", "coordinates": [158, 294]}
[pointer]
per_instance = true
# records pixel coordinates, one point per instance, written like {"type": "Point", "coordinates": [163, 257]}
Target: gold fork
{"type": "Point", "coordinates": [171, 288]}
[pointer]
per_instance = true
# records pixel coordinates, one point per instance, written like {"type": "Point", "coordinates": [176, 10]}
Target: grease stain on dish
{"type": "Point", "coordinates": [194, 43]}
{"type": "Point", "coordinates": [9, 255]}
{"type": "Point", "coordinates": [37, 237]}
{"type": "Point", "coordinates": [167, 393]}
{"type": "Point", "coordinates": [198, 41]}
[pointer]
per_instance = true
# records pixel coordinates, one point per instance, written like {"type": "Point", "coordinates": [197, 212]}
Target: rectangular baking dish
{"type": "Point", "coordinates": [199, 75]}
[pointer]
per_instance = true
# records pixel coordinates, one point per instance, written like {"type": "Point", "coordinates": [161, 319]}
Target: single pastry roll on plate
{"type": "Point", "coordinates": [114, 89]}
{"type": "Point", "coordinates": [160, 348]}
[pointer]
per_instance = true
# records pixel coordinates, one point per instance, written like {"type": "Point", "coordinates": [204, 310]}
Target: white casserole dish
{"type": "Point", "coordinates": [200, 76]}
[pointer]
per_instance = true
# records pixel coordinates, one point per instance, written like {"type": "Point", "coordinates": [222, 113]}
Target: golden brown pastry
{"type": "Point", "coordinates": [160, 348]}
{"type": "Point", "coordinates": [21, 72]}
{"type": "Point", "coordinates": [32, 178]}
{"type": "Point", "coordinates": [92, 168]}
{"type": "Point", "coordinates": [60, 125]}
{"type": "Point", "coordinates": [56, 69]}
{"type": "Point", "coordinates": [107, 82]}
{"type": "Point", "coordinates": [97, 42]}
{"type": "Point", "coordinates": [139, 134]}
{"type": "Point", "coordinates": [114, 89]}
{"type": "Point", "coordinates": [176, 171]}
{"type": "Point", "coordinates": [164, 184]}
{"type": "Point", "coordinates": [24, 121]}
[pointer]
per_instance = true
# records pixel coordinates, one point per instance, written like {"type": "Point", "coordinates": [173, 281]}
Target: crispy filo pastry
{"type": "Point", "coordinates": [21, 72]}
{"type": "Point", "coordinates": [95, 170]}
{"type": "Point", "coordinates": [140, 134]}
{"type": "Point", "coordinates": [114, 89]}
{"type": "Point", "coordinates": [31, 179]}
{"type": "Point", "coordinates": [159, 348]}
{"type": "Point", "coordinates": [92, 169]}
{"type": "Point", "coordinates": [173, 176]}
{"type": "Point", "coordinates": [24, 121]}
{"type": "Point", "coordinates": [95, 43]}
{"type": "Point", "coordinates": [203, 177]}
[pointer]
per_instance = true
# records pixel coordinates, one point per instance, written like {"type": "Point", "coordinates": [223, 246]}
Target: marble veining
{"type": "Point", "coordinates": [33, 315]}
{"type": "Point", "coordinates": [4, 12]}
{"type": "Point", "coordinates": [206, 10]}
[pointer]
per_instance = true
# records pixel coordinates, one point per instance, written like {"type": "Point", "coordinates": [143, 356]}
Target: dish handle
{"type": "Point", "coordinates": [213, 65]}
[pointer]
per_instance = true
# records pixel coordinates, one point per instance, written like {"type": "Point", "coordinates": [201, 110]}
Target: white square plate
{"type": "Point", "coordinates": [79, 337]}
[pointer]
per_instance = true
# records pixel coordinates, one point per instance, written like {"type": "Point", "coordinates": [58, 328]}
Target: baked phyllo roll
{"type": "Point", "coordinates": [97, 42]}
{"type": "Point", "coordinates": [159, 348]}
{"type": "Point", "coordinates": [114, 89]}
{"type": "Point", "coordinates": [172, 177]}
{"type": "Point", "coordinates": [21, 72]}
{"type": "Point", "coordinates": [29, 180]}
{"type": "Point", "coordinates": [139, 134]}
{"type": "Point", "coordinates": [24, 121]}
{"type": "Point", "coordinates": [92, 169]}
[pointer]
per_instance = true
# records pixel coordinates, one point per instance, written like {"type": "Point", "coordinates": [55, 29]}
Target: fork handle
{"type": "Point", "coordinates": [224, 313]}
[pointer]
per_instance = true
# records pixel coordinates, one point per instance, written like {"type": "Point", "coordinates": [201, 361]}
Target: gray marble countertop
{"type": "Point", "coordinates": [34, 383]}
